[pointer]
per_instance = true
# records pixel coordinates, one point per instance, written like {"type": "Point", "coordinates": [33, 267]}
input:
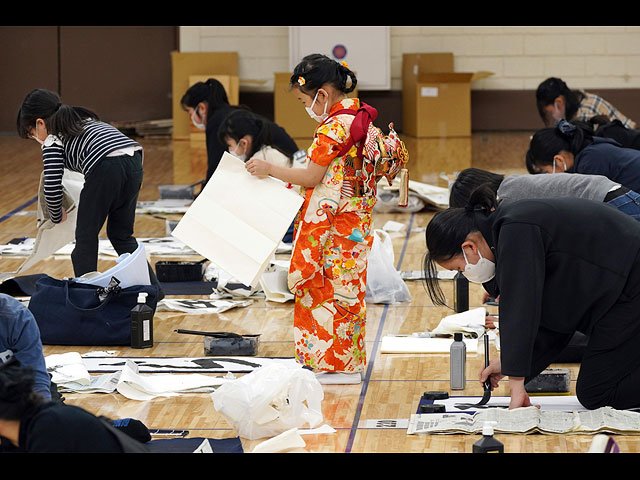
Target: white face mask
{"type": "Point", "coordinates": [317, 118]}
{"type": "Point", "coordinates": [199, 125]}
{"type": "Point", "coordinates": [481, 272]}
{"type": "Point", "coordinates": [242, 156]}
{"type": "Point", "coordinates": [34, 136]}
{"type": "Point", "coordinates": [564, 167]}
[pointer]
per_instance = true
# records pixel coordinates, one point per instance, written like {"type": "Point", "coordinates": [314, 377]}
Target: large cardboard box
{"type": "Point", "coordinates": [436, 100]}
{"type": "Point", "coordinates": [290, 114]}
{"type": "Point", "coordinates": [430, 157]}
{"type": "Point", "coordinates": [288, 111]}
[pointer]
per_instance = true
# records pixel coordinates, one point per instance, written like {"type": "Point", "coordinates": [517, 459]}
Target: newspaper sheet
{"type": "Point", "coordinates": [529, 420]}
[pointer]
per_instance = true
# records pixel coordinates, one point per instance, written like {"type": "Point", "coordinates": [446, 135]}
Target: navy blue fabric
{"type": "Point", "coordinates": [71, 313]}
{"type": "Point", "coordinates": [188, 445]}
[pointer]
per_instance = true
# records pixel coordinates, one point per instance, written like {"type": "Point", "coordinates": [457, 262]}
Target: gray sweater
{"type": "Point", "coordinates": [550, 185]}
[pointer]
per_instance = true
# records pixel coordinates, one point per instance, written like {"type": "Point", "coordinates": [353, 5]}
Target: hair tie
{"type": "Point", "coordinates": [301, 81]}
{"type": "Point", "coordinates": [565, 127]}
{"type": "Point", "coordinates": [474, 208]}
{"type": "Point", "coordinates": [344, 64]}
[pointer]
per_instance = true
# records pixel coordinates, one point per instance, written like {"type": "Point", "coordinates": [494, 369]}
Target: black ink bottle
{"type": "Point", "coordinates": [488, 444]}
{"type": "Point", "coordinates": [142, 323]}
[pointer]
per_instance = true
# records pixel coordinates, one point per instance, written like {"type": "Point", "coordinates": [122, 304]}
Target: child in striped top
{"type": "Point", "coordinates": [74, 138]}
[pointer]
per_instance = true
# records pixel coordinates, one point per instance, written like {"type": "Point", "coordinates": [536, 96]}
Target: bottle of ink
{"type": "Point", "coordinates": [142, 323]}
{"type": "Point", "coordinates": [457, 362]}
{"type": "Point", "coordinates": [460, 293]}
{"type": "Point", "coordinates": [488, 444]}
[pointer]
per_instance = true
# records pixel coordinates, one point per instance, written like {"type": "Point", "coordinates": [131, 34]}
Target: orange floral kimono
{"type": "Point", "coordinates": [329, 261]}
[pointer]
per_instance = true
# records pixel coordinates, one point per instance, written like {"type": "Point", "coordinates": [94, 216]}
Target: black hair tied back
{"type": "Point", "coordinates": [482, 199]}
{"type": "Point", "coordinates": [60, 119]}
{"type": "Point", "coordinates": [316, 70]}
{"type": "Point", "coordinates": [565, 127]}
{"type": "Point", "coordinates": [350, 80]}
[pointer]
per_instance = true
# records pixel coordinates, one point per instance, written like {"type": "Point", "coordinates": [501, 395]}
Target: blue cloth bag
{"type": "Point", "coordinates": [72, 313]}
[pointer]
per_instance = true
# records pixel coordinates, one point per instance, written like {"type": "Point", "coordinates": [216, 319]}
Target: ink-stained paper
{"type": "Point", "coordinates": [238, 220]}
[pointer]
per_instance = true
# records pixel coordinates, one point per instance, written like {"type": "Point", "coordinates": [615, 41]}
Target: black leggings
{"type": "Point", "coordinates": [110, 193]}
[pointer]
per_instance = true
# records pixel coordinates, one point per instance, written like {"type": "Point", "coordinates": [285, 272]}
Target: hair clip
{"type": "Point", "coordinates": [301, 81]}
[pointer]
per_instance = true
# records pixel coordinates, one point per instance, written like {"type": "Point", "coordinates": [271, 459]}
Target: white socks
{"type": "Point", "coordinates": [339, 378]}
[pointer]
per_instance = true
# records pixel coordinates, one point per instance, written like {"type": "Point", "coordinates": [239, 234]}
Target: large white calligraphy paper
{"type": "Point", "coordinates": [238, 220]}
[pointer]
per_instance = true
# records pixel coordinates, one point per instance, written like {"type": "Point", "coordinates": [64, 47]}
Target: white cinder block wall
{"type": "Point", "coordinates": [519, 57]}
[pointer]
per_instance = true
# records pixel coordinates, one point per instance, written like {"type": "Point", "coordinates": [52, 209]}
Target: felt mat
{"type": "Point", "coordinates": [562, 403]}
{"type": "Point", "coordinates": [181, 364]}
{"type": "Point", "coordinates": [21, 286]}
{"type": "Point", "coordinates": [189, 445]}
{"type": "Point", "coordinates": [188, 288]}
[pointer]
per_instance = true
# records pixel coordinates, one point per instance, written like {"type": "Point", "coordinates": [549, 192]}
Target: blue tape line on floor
{"type": "Point", "coordinates": [16, 210]}
{"type": "Point", "coordinates": [371, 355]}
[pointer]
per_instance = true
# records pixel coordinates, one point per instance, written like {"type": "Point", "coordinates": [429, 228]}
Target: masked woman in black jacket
{"type": "Point", "coordinates": [560, 266]}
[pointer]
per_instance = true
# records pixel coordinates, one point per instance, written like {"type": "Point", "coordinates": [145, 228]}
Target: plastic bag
{"type": "Point", "coordinates": [384, 283]}
{"type": "Point", "coordinates": [270, 400]}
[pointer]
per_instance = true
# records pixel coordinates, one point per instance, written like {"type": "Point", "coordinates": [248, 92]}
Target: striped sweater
{"type": "Point", "coordinates": [79, 154]}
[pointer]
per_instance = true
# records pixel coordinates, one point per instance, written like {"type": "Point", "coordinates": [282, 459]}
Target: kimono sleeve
{"type": "Point", "coordinates": [328, 143]}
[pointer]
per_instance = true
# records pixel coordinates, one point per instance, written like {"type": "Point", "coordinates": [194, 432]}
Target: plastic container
{"type": "Point", "coordinates": [231, 345]}
{"type": "Point", "coordinates": [460, 293]}
{"type": "Point", "coordinates": [176, 271]}
{"type": "Point", "coordinates": [142, 323]}
{"type": "Point", "coordinates": [457, 362]}
{"type": "Point", "coordinates": [488, 444]}
{"type": "Point", "coordinates": [226, 343]}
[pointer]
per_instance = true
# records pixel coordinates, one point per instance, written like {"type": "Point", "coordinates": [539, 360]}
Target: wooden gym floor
{"type": "Point", "coordinates": [393, 384]}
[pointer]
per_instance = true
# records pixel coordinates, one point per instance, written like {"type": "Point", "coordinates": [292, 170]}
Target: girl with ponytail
{"type": "Point", "coordinates": [248, 135]}
{"type": "Point", "coordinates": [208, 106]}
{"type": "Point", "coordinates": [572, 147]}
{"type": "Point", "coordinates": [74, 138]}
{"type": "Point", "coordinates": [333, 230]}
{"type": "Point", "coordinates": [560, 266]}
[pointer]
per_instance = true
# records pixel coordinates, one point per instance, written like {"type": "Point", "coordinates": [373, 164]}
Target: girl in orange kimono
{"type": "Point", "coordinates": [333, 233]}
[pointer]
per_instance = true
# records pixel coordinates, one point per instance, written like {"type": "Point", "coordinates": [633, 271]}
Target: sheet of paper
{"type": "Point", "coordinates": [147, 387]}
{"type": "Point", "coordinates": [470, 321]}
{"type": "Point", "coordinates": [210, 364]}
{"type": "Point", "coordinates": [275, 288]}
{"type": "Point", "coordinates": [199, 306]}
{"type": "Point", "coordinates": [238, 220]}
{"type": "Point", "coordinates": [432, 194]}
{"type": "Point", "coordinates": [557, 403]}
{"type": "Point", "coordinates": [67, 367]}
{"type": "Point", "coordinates": [51, 237]}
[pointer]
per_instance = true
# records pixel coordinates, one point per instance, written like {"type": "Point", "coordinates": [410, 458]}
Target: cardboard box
{"type": "Point", "coordinates": [289, 112]}
{"type": "Point", "coordinates": [429, 157]}
{"type": "Point", "coordinates": [436, 101]}
{"type": "Point", "coordinates": [187, 64]}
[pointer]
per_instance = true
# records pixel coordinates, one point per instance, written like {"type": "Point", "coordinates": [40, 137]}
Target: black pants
{"type": "Point", "coordinates": [610, 369]}
{"type": "Point", "coordinates": [110, 193]}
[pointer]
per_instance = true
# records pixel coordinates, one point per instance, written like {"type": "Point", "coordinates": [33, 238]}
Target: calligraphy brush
{"type": "Point", "coordinates": [486, 396]}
